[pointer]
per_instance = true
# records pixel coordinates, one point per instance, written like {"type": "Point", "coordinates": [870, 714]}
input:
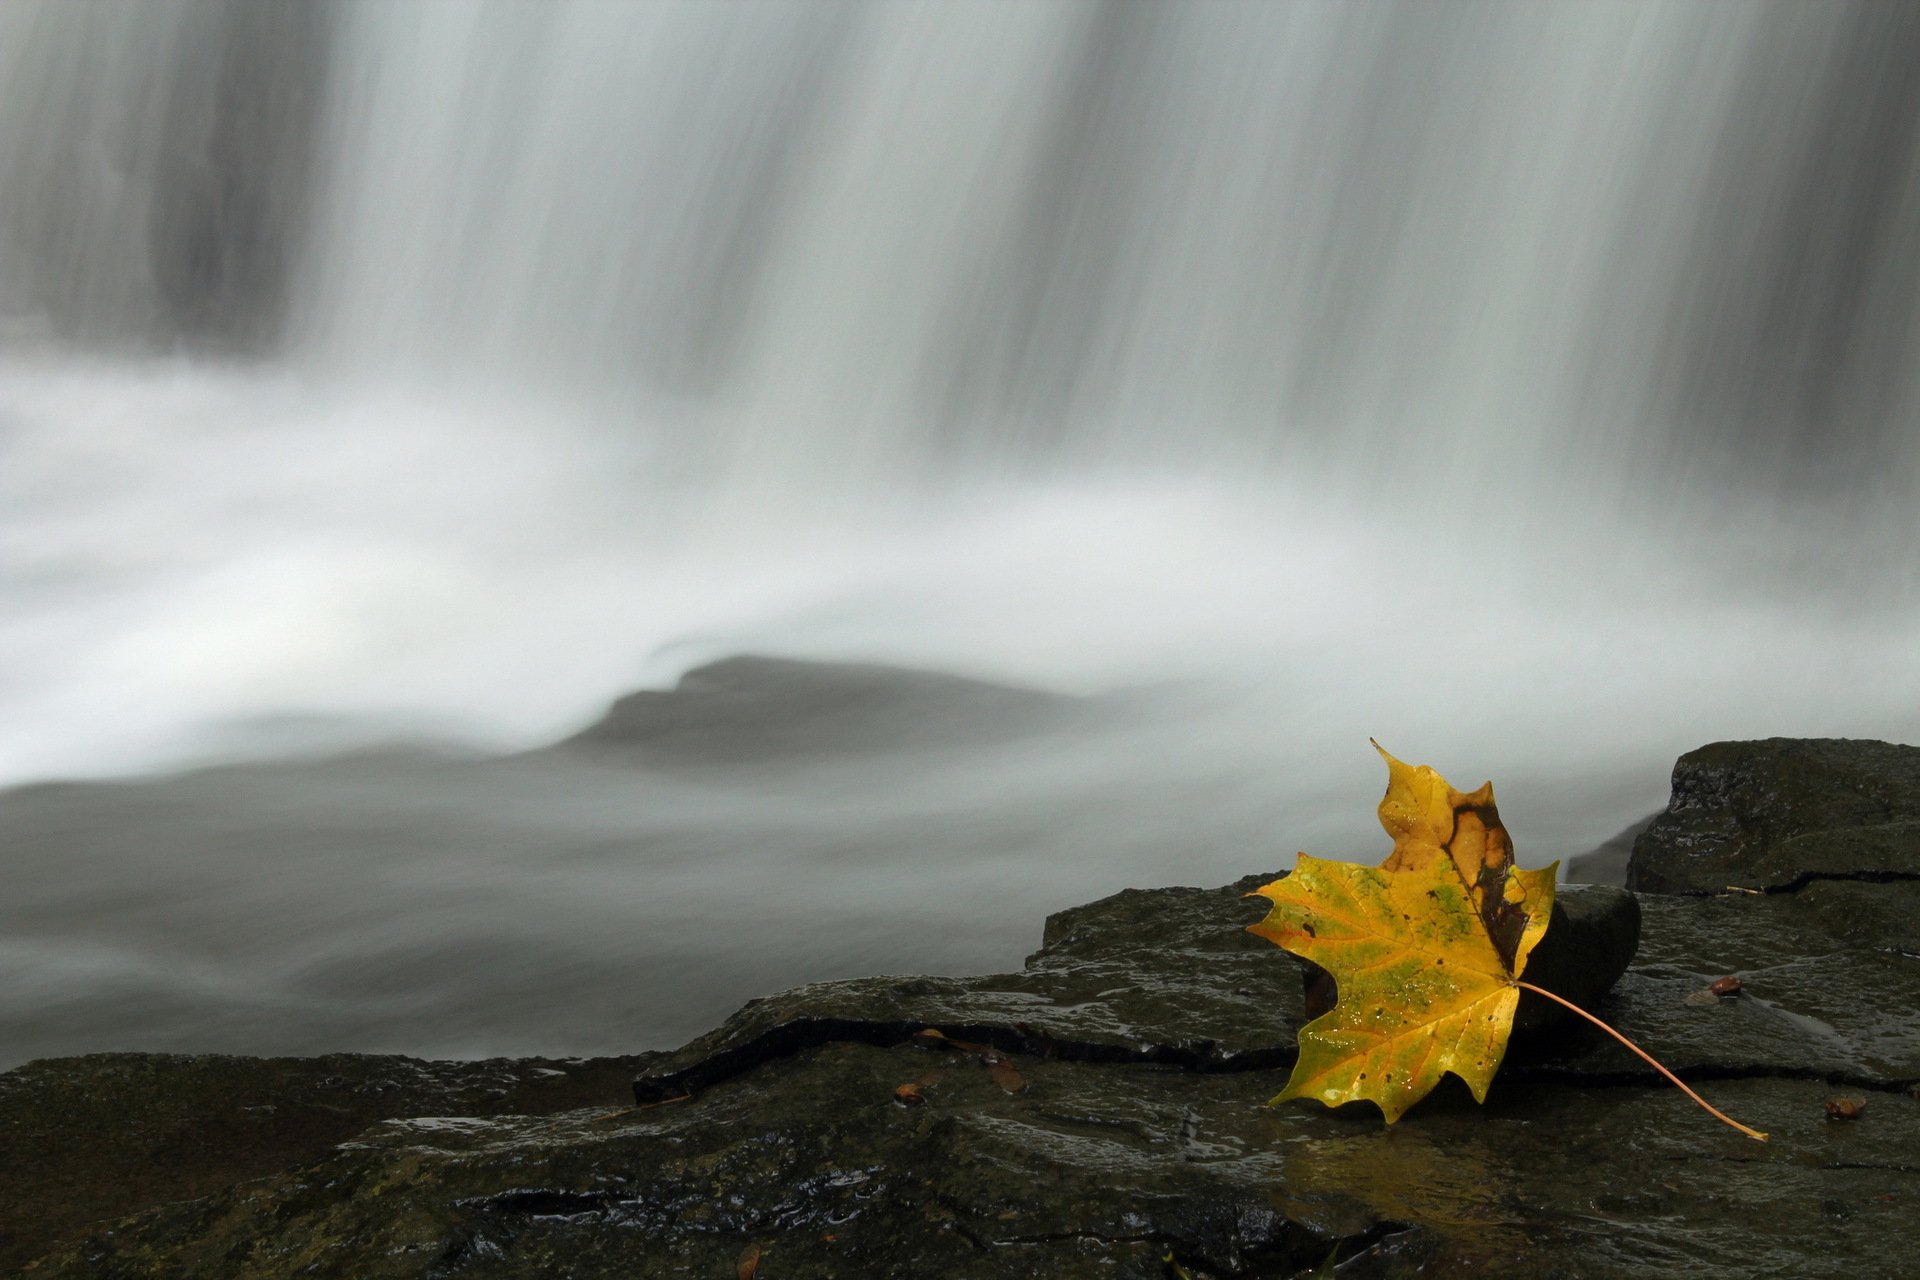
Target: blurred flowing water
{"type": "Point", "coordinates": [1530, 386]}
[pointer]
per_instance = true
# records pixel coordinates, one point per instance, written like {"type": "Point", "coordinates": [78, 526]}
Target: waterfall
{"type": "Point", "coordinates": [363, 358]}
{"type": "Point", "coordinates": [152, 164]}
{"type": "Point", "coordinates": [1011, 231]}
{"type": "Point", "coordinates": [1608, 242]}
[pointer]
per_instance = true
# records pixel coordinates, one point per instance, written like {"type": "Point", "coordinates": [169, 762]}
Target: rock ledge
{"type": "Point", "coordinates": [1099, 1114]}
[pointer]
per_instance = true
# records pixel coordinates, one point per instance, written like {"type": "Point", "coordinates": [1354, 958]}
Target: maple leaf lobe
{"type": "Point", "coordinates": [1430, 821]}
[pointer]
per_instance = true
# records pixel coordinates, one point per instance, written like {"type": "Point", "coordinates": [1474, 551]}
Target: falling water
{"type": "Point", "coordinates": [1531, 386]}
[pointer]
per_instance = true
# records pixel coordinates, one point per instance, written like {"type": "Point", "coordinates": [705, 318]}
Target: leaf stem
{"type": "Point", "coordinates": [1681, 1084]}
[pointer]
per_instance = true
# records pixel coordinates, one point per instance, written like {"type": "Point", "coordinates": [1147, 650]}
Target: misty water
{"type": "Point", "coordinates": [387, 388]}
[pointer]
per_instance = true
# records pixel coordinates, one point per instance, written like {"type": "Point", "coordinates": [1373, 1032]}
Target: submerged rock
{"type": "Point", "coordinates": [757, 709]}
{"type": "Point", "coordinates": [1607, 862]}
{"type": "Point", "coordinates": [1100, 1113]}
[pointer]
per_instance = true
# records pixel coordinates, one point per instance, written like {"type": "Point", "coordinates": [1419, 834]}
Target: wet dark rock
{"type": "Point", "coordinates": [1590, 942]}
{"type": "Point", "coordinates": [753, 708]}
{"type": "Point", "coordinates": [97, 1137]}
{"type": "Point", "coordinates": [1145, 976]}
{"type": "Point", "coordinates": [1776, 814]}
{"type": "Point", "coordinates": [1147, 1034]}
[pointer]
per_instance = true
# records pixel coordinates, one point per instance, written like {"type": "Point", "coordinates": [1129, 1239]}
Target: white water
{"type": "Point", "coordinates": [1058, 341]}
{"type": "Point", "coordinates": [1528, 386]}
{"type": "Point", "coordinates": [211, 564]}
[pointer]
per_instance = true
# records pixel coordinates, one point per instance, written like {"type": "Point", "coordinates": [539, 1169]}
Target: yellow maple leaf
{"type": "Point", "coordinates": [1426, 950]}
{"type": "Point", "coordinates": [1423, 989]}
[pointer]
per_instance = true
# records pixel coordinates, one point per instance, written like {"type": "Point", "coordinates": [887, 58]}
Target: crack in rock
{"type": "Point", "coordinates": [798, 1036]}
{"type": "Point", "coordinates": [1806, 878]}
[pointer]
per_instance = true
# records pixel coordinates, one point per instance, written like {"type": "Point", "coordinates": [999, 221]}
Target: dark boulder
{"type": "Point", "coordinates": [1590, 942]}
{"type": "Point", "coordinates": [1775, 814]}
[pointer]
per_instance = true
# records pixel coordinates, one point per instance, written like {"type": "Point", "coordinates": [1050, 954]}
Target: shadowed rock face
{"type": "Point", "coordinates": [1093, 1115]}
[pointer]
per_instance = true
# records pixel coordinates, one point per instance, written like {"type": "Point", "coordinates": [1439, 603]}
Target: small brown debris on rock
{"type": "Point", "coordinates": [749, 1264]}
{"type": "Point", "coordinates": [1003, 1073]}
{"type": "Point", "coordinates": [908, 1095]}
{"type": "Point", "coordinates": [934, 1038]}
{"type": "Point", "coordinates": [1714, 992]}
{"type": "Point", "coordinates": [1845, 1108]}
